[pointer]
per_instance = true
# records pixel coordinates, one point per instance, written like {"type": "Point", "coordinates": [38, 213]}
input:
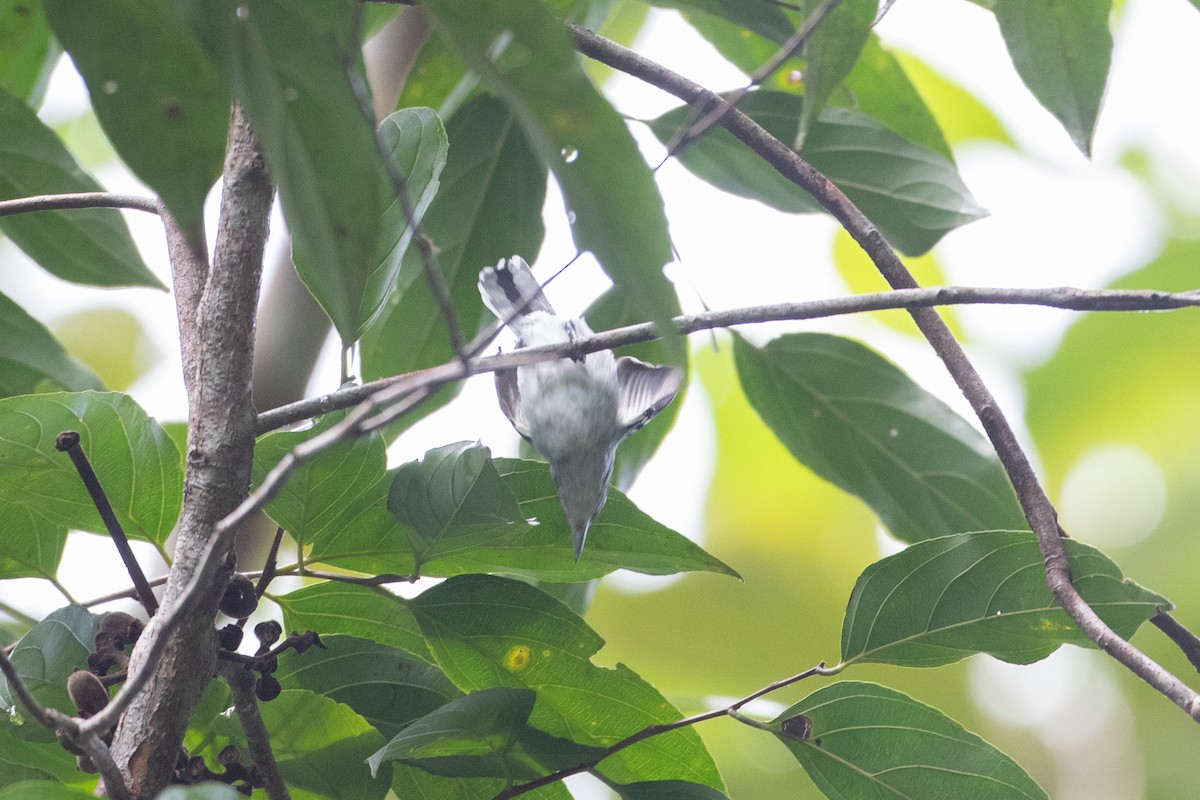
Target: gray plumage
{"type": "Point", "coordinates": [574, 412]}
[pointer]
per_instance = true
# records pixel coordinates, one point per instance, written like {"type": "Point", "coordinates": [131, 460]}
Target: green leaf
{"type": "Point", "coordinates": [28, 52]}
{"type": "Point", "coordinates": [438, 79]}
{"type": "Point", "coordinates": [322, 746]}
{"type": "Point", "coordinates": [912, 194]}
{"type": "Point", "coordinates": [668, 790]}
{"type": "Point", "coordinates": [44, 790]}
{"type": "Point", "coordinates": [469, 737]}
{"type": "Point", "coordinates": [320, 493]}
{"type": "Point", "coordinates": [621, 537]}
{"type": "Point", "coordinates": [858, 421]}
{"type": "Point", "coordinates": [1062, 50]}
{"type": "Point", "coordinates": [44, 658]}
{"type": "Point", "coordinates": [29, 355]}
{"type": "Point", "coordinates": [879, 87]}
{"type": "Point", "coordinates": [454, 491]}
{"type": "Point", "coordinates": [870, 741]}
{"type": "Point", "coordinates": [30, 545]}
{"type": "Point", "coordinates": [944, 599]}
{"type": "Point", "coordinates": [415, 141]}
{"type": "Point", "coordinates": [136, 462]}
{"type": "Point", "coordinates": [486, 631]}
{"type": "Point", "coordinates": [618, 211]}
{"type": "Point", "coordinates": [289, 66]}
{"type": "Point", "coordinates": [488, 207]}
{"type": "Point", "coordinates": [22, 760]}
{"type": "Point", "coordinates": [367, 613]}
{"type": "Point", "coordinates": [90, 245]}
{"type": "Point", "coordinates": [166, 111]}
{"type": "Point", "coordinates": [389, 688]}
{"type": "Point", "coordinates": [831, 51]}
{"type": "Point", "coordinates": [615, 309]}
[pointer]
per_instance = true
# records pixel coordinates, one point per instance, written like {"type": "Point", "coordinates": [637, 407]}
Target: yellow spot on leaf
{"type": "Point", "coordinates": [517, 658]}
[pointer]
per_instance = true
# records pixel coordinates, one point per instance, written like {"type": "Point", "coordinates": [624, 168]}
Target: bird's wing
{"type": "Point", "coordinates": [510, 400]}
{"type": "Point", "coordinates": [643, 390]}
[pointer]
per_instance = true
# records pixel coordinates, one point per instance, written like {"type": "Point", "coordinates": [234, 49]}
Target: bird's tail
{"type": "Point", "coordinates": [510, 290]}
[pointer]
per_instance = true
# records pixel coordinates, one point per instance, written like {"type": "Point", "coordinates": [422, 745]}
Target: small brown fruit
{"type": "Point", "coordinates": [87, 693]}
{"type": "Point", "coordinates": [239, 599]}
{"type": "Point", "coordinates": [267, 688]}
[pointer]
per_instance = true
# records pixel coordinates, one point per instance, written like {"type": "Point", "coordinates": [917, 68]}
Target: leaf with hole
{"type": "Point", "coordinates": [861, 423]}
{"type": "Point", "coordinates": [944, 599]}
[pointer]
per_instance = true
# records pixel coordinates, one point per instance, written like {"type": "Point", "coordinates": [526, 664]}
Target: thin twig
{"type": "Point", "coordinates": [268, 574]}
{"type": "Point", "coordinates": [61, 202]}
{"type": "Point", "coordinates": [657, 730]}
{"type": "Point", "coordinates": [1062, 298]}
{"type": "Point", "coordinates": [1040, 513]}
{"type": "Point", "coordinates": [429, 262]}
{"type": "Point", "coordinates": [354, 580]}
{"type": "Point", "coordinates": [691, 132]}
{"type": "Point", "coordinates": [241, 685]}
{"type": "Point", "coordinates": [1187, 641]}
{"type": "Point", "coordinates": [68, 442]}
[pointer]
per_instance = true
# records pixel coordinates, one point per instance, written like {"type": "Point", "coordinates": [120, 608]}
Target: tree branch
{"type": "Point", "coordinates": [60, 202]}
{"type": "Point", "coordinates": [1062, 297]}
{"type": "Point", "coordinates": [1042, 517]}
{"type": "Point", "coordinates": [691, 132]}
{"type": "Point", "coordinates": [245, 703]}
{"type": "Point", "coordinates": [173, 660]}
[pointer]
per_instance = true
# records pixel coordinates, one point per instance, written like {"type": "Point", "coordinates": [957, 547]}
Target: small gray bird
{"type": "Point", "coordinates": [575, 412]}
